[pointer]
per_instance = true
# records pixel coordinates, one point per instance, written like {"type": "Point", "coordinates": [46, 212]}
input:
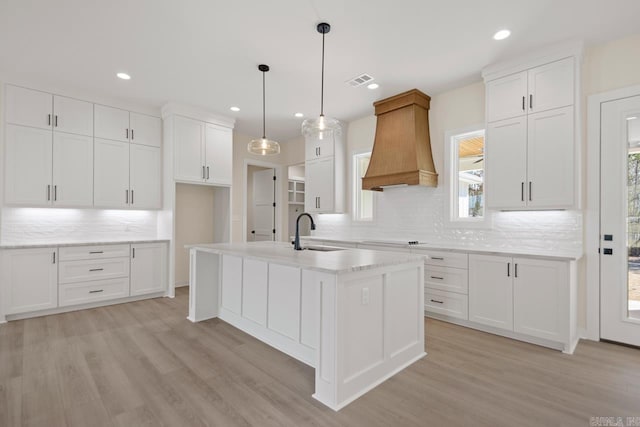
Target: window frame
{"type": "Point", "coordinates": [451, 138]}
{"type": "Point", "coordinates": [355, 189]}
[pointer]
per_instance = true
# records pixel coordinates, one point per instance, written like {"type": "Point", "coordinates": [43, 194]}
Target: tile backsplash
{"type": "Point", "coordinates": [417, 213]}
{"type": "Point", "coordinates": [46, 225]}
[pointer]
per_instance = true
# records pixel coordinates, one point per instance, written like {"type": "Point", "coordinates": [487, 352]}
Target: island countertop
{"type": "Point", "coordinates": [339, 261]}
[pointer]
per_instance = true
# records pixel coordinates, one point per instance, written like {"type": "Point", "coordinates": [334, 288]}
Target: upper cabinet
{"type": "Point", "coordinates": [325, 176]}
{"type": "Point", "coordinates": [32, 108]}
{"type": "Point", "coordinates": [531, 154]}
{"type": "Point", "coordinates": [203, 152]}
{"type": "Point", "coordinates": [121, 125]}
{"type": "Point", "coordinates": [538, 89]}
{"type": "Point", "coordinates": [51, 153]}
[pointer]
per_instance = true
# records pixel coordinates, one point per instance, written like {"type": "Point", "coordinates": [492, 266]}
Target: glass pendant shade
{"type": "Point", "coordinates": [322, 127]}
{"type": "Point", "coordinates": [263, 146]}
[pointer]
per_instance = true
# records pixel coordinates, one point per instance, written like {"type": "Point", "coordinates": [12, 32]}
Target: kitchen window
{"type": "Point", "coordinates": [465, 175]}
{"type": "Point", "coordinates": [362, 199]}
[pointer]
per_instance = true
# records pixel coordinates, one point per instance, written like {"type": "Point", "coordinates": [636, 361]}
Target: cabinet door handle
{"type": "Point", "coordinates": [531, 101]}
{"type": "Point", "coordinates": [96, 291]}
{"type": "Point", "coordinates": [55, 121]}
{"type": "Point", "coordinates": [54, 258]}
{"type": "Point", "coordinates": [319, 151]}
{"type": "Point", "coordinates": [529, 190]}
{"type": "Point", "coordinates": [203, 172]}
{"type": "Point", "coordinates": [126, 196]}
{"type": "Point", "coordinates": [131, 196]}
{"type": "Point", "coordinates": [437, 302]}
{"type": "Point", "coordinates": [132, 134]}
{"type": "Point", "coordinates": [522, 191]}
{"type": "Point", "coordinates": [133, 252]}
{"type": "Point", "coordinates": [48, 192]}
{"type": "Point", "coordinates": [127, 133]}
{"type": "Point", "coordinates": [508, 269]}
{"type": "Point", "coordinates": [523, 103]}
{"type": "Point", "coordinates": [96, 269]}
{"type": "Point", "coordinates": [207, 172]}
{"type": "Point", "coordinates": [515, 269]}
{"type": "Point", "coordinates": [436, 277]}
{"type": "Point", "coordinates": [96, 252]}
{"type": "Point", "coordinates": [55, 193]}
{"type": "Point", "coordinates": [48, 119]}
{"type": "Point", "coordinates": [437, 258]}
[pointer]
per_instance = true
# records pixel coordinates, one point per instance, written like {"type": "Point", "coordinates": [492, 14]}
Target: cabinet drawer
{"type": "Point", "coordinates": [444, 258]}
{"type": "Point", "coordinates": [98, 290]}
{"type": "Point", "coordinates": [446, 303]}
{"type": "Point", "coordinates": [82, 271]}
{"type": "Point", "coordinates": [74, 253]}
{"type": "Point", "coordinates": [446, 279]}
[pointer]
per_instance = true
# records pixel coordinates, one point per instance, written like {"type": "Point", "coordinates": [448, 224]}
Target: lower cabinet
{"type": "Point", "coordinates": [148, 268]}
{"type": "Point", "coordinates": [33, 280]}
{"type": "Point", "coordinates": [523, 295]}
{"type": "Point", "coordinates": [29, 280]}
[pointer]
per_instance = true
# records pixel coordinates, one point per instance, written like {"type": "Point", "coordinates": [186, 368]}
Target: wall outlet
{"type": "Point", "coordinates": [365, 296]}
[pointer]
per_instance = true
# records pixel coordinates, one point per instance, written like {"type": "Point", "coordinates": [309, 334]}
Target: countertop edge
{"type": "Point", "coordinates": [69, 244]}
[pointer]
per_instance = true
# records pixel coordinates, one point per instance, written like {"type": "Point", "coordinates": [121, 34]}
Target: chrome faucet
{"type": "Point", "coordinates": [296, 243]}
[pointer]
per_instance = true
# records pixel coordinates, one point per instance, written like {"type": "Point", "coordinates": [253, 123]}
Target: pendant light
{"type": "Point", "coordinates": [322, 126]}
{"type": "Point", "coordinates": [263, 146]}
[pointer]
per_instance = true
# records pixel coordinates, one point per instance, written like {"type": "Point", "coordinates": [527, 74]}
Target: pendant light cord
{"type": "Point", "coordinates": [322, 81]}
{"type": "Point", "coordinates": [264, 120]}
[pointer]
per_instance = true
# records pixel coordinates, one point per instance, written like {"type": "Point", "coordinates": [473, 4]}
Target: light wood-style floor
{"type": "Point", "coordinates": [143, 363]}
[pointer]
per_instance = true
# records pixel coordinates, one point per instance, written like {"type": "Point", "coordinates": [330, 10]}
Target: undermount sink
{"type": "Point", "coordinates": [323, 248]}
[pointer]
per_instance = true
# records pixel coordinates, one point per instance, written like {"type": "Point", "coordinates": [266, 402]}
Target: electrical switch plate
{"type": "Point", "coordinates": [365, 296]}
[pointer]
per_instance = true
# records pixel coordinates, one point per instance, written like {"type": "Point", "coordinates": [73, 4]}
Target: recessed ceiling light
{"type": "Point", "coordinates": [632, 118]}
{"type": "Point", "coordinates": [299, 115]}
{"type": "Point", "coordinates": [236, 109]}
{"type": "Point", "coordinates": [123, 76]}
{"type": "Point", "coordinates": [501, 35]}
{"type": "Point", "coordinates": [373, 86]}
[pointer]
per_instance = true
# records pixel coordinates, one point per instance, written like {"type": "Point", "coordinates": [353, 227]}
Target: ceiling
{"type": "Point", "coordinates": [205, 52]}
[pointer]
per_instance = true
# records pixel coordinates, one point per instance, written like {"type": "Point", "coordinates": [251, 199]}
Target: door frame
{"type": "Point", "coordinates": [592, 211]}
{"type": "Point", "coordinates": [278, 194]}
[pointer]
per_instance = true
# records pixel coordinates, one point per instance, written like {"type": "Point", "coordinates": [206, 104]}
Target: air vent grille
{"type": "Point", "coordinates": [360, 80]}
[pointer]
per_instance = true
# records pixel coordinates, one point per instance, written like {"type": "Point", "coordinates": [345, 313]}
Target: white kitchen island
{"type": "Point", "coordinates": [354, 315]}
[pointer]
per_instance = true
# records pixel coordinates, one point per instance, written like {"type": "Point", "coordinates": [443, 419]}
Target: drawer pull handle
{"type": "Point", "coordinates": [436, 277]}
{"type": "Point", "coordinates": [437, 302]}
{"type": "Point", "coordinates": [96, 291]}
{"type": "Point", "coordinates": [96, 252]}
{"type": "Point", "coordinates": [437, 258]}
{"type": "Point", "coordinates": [96, 269]}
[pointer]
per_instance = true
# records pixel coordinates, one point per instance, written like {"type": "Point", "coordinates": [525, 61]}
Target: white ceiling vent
{"type": "Point", "coordinates": [360, 80]}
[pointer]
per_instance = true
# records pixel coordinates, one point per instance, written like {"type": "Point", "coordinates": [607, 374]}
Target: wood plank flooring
{"type": "Point", "coordinates": [143, 363]}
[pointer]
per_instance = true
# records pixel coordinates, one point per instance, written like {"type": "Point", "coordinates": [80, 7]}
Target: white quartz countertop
{"type": "Point", "coordinates": [341, 261]}
{"type": "Point", "coordinates": [488, 250]}
{"type": "Point", "coordinates": [76, 243]}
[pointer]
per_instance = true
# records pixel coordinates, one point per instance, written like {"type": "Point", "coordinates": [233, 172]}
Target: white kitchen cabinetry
{"type": "Point", "coordinates": [325, 175]}
{"type": "Point", "coordinates": [121, 125]}
{"type": "Point", "coordinates": [531, 132]}
{"type": "Point", "coordinates": [29, 280]}
{"type": "Point", "coordinates": [72, 170]}
{"type": "Point", "coordinates": [111, 172]}
{"type": "Point", "coordinates": [28, 166]}
{"type": "Point", "coordinates": [27, 107]}
{"type": "Point", "coordinates": [148, 268]}
{"type": "Point", "coordinates": [541, 298]}
{"type": "Point", "coordinates": [72, 116]}
{"type": "Point", "coordinates": [127, 175]}
{"type": "Point", "coordinates": [203, 152]}
{"type": "Point", "coordinates": [319, 196]}
{"type": "Point", "coordinates": [218, 152]}
{"type": "Point", "coordinates": [491, 291]}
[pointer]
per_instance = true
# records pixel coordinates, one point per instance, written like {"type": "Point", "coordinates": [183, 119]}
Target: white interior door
{"type": "Point", "coordinates": [263, 213]}
{"type": "Point", "coordinates": [620, 221]}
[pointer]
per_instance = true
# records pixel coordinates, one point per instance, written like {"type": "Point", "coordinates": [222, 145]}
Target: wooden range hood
{"type": "Point", "coordinates": [402, 147]}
